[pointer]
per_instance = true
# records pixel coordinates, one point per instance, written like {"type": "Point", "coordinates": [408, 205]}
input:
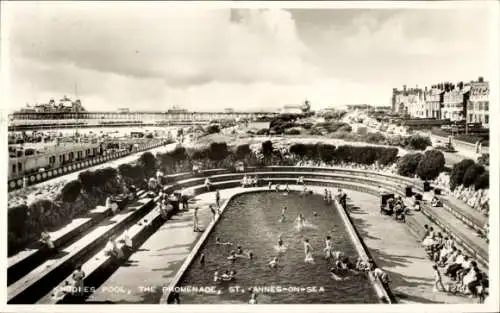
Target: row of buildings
{"type": "Point", "coordinates": [464, 101]}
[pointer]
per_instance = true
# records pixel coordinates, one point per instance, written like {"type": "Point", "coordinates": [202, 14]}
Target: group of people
{"type": "Point", "coordinates": [73, 287]}
{"type": "Point", "coordinates": [249, 181]}
{"type": "Point", "coordinates": [476, 199]}
{"type": "Point", "coordinates": [397, 208]}
{"type": "Point", "coordinates": [391, 169]}
{"type": "Point", "coordinates": [462, 270]}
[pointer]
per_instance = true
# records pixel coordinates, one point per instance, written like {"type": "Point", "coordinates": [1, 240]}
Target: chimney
{"type": "Point", "coordinates": [480, 79]}
{"type": "Point", "coordinates": [404, 88]}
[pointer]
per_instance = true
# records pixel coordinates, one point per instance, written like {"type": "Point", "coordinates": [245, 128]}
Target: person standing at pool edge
{"type": "Point", "coordinates": [217, 198]}
{"type": "Point", "coordinates": [195, 220]}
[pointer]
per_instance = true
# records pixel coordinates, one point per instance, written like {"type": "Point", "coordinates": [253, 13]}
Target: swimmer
{"type": "Point", "coordinates": [334, 271]}
{"type": "Point", "coordinates": [274, 262]}
{"type": "Point", "coordinates": [283, 214]}
{"type": "Point", "coordinates": [315, 213]}
{"type": "Point", "coordinates": [232, 257]}
{"type": "Point", "coordinates": [228, 275]}
{"type": "Point", "coordinates": [287, 189]}
{"type": "Point", "coordinates": [328, 247]}
{"type": "Point", "coordinates": [216, 276]}
{"type": "Point", "coordinates": [300, 221]}
{"type": "Point", "coordinates": [218, 242]}
{"type": "Point", "coordinates": [308, 252]}
{"type": "Point", "coordinates": [202, 259]}
{"type": "Point", "coordinates": [280, 241]}
{"type": "Point", "coordinates": [250, 255]}
{"type": "Point", "coordinates": [239, 250]}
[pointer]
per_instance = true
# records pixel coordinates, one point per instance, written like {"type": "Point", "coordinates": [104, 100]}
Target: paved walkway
{"type": "Point", "coordinates": [157, 261]}
{"type": "Point", "coordinates": [398, 252]}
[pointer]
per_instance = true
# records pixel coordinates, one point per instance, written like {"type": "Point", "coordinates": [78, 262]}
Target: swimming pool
{"type": "Point", "coordinates": [252, 222]}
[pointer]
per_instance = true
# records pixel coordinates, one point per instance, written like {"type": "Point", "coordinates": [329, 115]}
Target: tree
{"type": "Point", "coordinates": [267, 148]}
{"type": "Point", "coordinates": [458, 171]}
{"type": "Point", "coordinates": [407, 165]}
{"type": "Point", "coordinates": [471, 174]}
{"type": "Point", "coordinates": [87, 179]}
{"type": "Point", "coordinates": [431, 165]}
{"type": "Point", "coordinates": [148, 162]}
{"type": "Point", "coordinates": [218, 151]}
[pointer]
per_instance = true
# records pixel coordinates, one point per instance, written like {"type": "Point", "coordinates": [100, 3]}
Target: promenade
{"type": "Point", "coordinates": [397, 252]}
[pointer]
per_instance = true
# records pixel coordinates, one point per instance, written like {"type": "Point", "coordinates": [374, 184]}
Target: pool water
{"type": "Point", "coordinates": [252, 221]}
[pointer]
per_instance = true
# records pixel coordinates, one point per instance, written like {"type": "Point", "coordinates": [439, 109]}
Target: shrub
{"type": "Point", "coordinates": [326, 152]}
{"type": "Point", "coordinates": [263, 131]}
{"type": "Point", "coordinates": [217, 151]}
{"type": "Point", "coordinates": [149, 136]}
{"type": "Point", "coordinates": [267, 148]}
{"type": "Point", "coordinates": [431, 165]}
{"type": "Point", "coordinates": [375, 138]}
{"type": "Point", "coordinates": [458, 172]}
{"type": "Point", "coordinates": [386, 156]}
{"type": "Point", "coordinates": [345, 128]}
{"type": "Point", "coordinates": [292, 131]}
{"type": "Point", "coordinates": [299, 149]}
{"type": "Point", "coordinates": [482, 181]}
{"type": "Point", "coordinates": [407, 165]}
{"type": "Point", "coordinates": [87, 180]}
{"type": "Point", "coordinates": [242, 151]}
{"type": "Point", "coordinates": [417, 142]}
{"type": "Point", "coordinates": [213, 129]}
{"type": "Point", "coordinates": [471, 174]}
{"type": "Point", "coordinates": [71, 191]}
{"type": "Point", "coordinates": [132, 174]}
{"type": "Point", "coordinates": [148, 162]}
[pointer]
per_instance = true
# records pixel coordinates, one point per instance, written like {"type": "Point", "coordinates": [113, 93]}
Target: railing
{"type": "Point", "coordinates": [36, 178]}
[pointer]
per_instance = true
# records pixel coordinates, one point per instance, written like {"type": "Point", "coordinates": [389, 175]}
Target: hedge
{"type": "Point", "coordinates": [71, 191]}
{"type": "Point", "coordinates": [482, 181]}
{"type": "Point", "coordinates": [358, 154]}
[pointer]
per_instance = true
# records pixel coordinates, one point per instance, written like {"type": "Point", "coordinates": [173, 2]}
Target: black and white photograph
{"type": "Point", "coordinates": [230, 154]}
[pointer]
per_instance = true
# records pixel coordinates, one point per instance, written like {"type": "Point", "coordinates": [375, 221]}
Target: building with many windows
{"type": "Point", "coordinates": [432, 105]}
{"type": "Point", "coordinates": [478, 103]}
{"type": "Point", "coordinates": [454, 105]}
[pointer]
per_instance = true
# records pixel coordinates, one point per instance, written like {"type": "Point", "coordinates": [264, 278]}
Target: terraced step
{"type": "Point", "coordinates": [25, 261]}
{"type": "Point", "coordinates": [101, 266]}
{"type": "Point", "coordinates": [44, 277]}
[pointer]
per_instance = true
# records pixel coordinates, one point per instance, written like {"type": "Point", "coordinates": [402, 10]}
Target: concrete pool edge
{"type": "Point", "coordinates": [194, 252]}
{"type": "Point", "coordinates": [382, 292]}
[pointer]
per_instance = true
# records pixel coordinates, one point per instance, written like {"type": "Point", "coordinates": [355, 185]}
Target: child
{"type": "Point", "coordinates": [438, 282]}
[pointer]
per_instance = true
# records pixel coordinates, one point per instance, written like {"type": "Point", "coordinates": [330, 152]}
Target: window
{"type": "Point", "coordinates": [471, 118]}
{"type": "Point", "coordinates": [19, 167]}
{"type": "Point", "coordinates": [486, 119]}
{"type": "Point", "coordinates": [480, 106]}
{"type": "Point", "coordinates": [486, 106]}
{"type": "Point", "coordinates": [71, 156]}
{"type": "Point", "coordinates": [61, 158]}
{"type": "Point", "coordinates": [52, 160]}
{"type": "Point", "coordinates": [13, 168]}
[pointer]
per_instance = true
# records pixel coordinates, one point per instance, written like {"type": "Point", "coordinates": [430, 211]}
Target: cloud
{"type": "Point", "coordinates": [180, 46]}
{"type": "Point", "coordinates": [150, 55]}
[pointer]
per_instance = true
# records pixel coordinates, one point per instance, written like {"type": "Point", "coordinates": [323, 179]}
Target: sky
{"type": "Point", "coordinates": [151, 56]}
